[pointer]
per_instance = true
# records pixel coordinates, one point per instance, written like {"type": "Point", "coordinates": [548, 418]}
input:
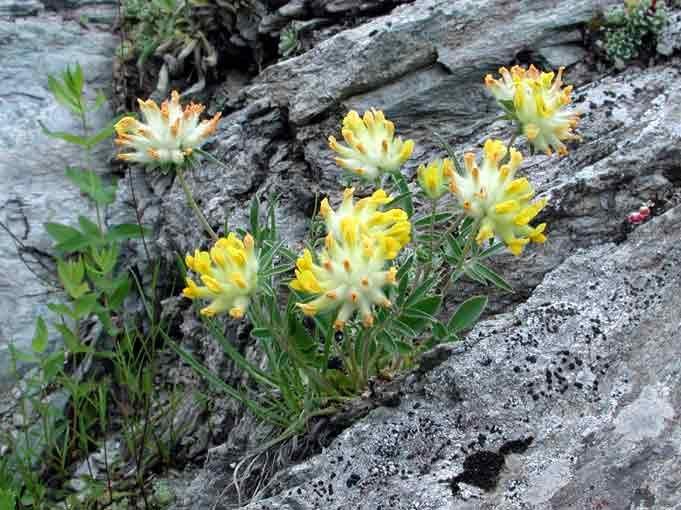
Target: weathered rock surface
{"type": "Point", "coordinates": [32, 165]}
{"type": "Point", "coordinates": [570, 439]}
{"type": "Point", "coordinates": [20, 7]}
{"type": "Point", "coordinates": [670, 38]}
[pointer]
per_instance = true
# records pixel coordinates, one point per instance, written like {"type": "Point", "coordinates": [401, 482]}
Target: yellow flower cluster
{"type": "Point", "coordinates": [434, 178]}
{"type": "Point", "coordinates": [169, 134]}
{"type": "Point", "coordinates": [372, 148]}
{"type": "Point", "coordinates": [229, 274]}
{"type": "Point", "coordinates": [539, 103]}
{"type": "Point", "coordinates": [350, 274]}
{"type": "Point", "coordinates": [490, 194]}
{"type": "Point", "coordinates": [391, 229]}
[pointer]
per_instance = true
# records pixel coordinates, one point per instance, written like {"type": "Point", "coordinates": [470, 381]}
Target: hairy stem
{"type": "Point", "coordinates": [192, 203]}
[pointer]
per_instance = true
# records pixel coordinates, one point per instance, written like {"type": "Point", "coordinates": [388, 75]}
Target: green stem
{"type": "Point", "coordinates": [433, 210]}
{"type": "Point", "coordinates": [508, 146]}
{"type": "Point", "coordinates": [365, 359]}
{"type": "Point", "coordinates": [88, 152]}
{"type": "Point", "coordinates": [462, 261]}
{"type": "Point", "coordinates": [192, 203]}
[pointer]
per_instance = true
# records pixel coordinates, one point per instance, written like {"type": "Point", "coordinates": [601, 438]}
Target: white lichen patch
{"type": "Point", "coordinates": [647, 416]}
{"type": "Point", "coordinates": [548, 481]}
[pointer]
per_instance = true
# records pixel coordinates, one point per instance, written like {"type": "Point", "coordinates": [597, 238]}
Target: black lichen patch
{"type": "Point", "coordinates": [352, 480]}
{"type": "Point", "coordinates": [516, 446]}
{"type": "Point", "coordinates": [482, 469]}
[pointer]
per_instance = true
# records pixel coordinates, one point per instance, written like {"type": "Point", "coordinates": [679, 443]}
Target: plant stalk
{"type": "Point", "coordinates": [192, 203]}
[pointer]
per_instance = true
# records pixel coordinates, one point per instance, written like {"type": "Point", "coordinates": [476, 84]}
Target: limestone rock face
{"type": "Point", "coordinates": [566, 401]}
{"type": "Point", "coordinates": [32, 165]}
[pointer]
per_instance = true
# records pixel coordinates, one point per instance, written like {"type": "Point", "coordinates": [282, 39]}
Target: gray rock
{"type": "Point", "coordinates": [463, 38]}
{"type": "Point", "coordinates": [32, 165]}
{"type": "Point", "coordinates": [20, 7]}
{"type": "Point", "coordinates": [669, 39]}
{"type": "Point", "coordinates": [562, 54]}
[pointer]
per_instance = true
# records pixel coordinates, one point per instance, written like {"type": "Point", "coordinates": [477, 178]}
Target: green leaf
{"type": "Point", "coordinates": [474, 275]}
{"type": "Point", "coordinates": [261, 333]}
{"type": "Point", "coordinates": [90, 184]}
{"type": "Point", "coordinates": [126, 231]}
{"type": "Point", "coordinates": [105, 259]}
{"type": "Point", "coordinates": [284, 268]}
{"type": "Point", "coordinates": [415, 313]}
{"type": "Point", "coordinates": [62, 233]}
{"type": "Point", "coordinates": [75, 80]}
{"type": "Point", "coordinates": [121, 290]}
{"type": "Point", "coordinates": [438, 218]}
{"type": "Point", "coordinates": [450, 152]}
{"type": "Point", "coordinates": [404, 268]}
{"type": "Point", "coordinates": [453, 249]}
{"type": "Point", "coordinates": [508, 106]}
{"type": "Point", "coordinates": [8, 499]}
{"type": "Point", "coordinates": [68, 239]}
{"type": "Point", "coordinates": [71, 275]}
{"type": "Point", "coordinates": [83, 306]}
{"type": "Point", "coordinates": [394, 346]}
{"type": "Point", "coordinates": [99, 101]}
{"type": "Point", "coordinates": [63, 95]}
{"type": "Point", "coordinates": [493, 277]}
{"type": "Point", "coordinates": [402, 329]}
{"type": "Point", "coordinates": [24, 357]}
{"type": "Point", "coordinates": [39, 342]}
{"type": "Point", "coordinates": [426, 307]}
{"type": "Point", "coordinates": [403, 201]}
{"type": "Point", "coordinates": [439, 330]}
{"type": "Point", "coordinates": [492, 250]}
{"type": "Point", "coordinates": [89, 228]}
{"type": "Point", "coordinates": [60, 309]}
{"type": "Point", "coordinates": [63, 135]}
{"type": "Point", "coordinates": [104, 133]}
{"type": "Point", "coordinates": [420, 291]}
{"type": "Point", "coordinates": [75, 245]}
{"type": "Point", "coordinates": [53, 364]}
{"type": "Point", "coordinates": [70, 339]}
{"type": "Point", "coordinates": [304, 343]}
{"type": "Point", "coordinates": [467, 314]}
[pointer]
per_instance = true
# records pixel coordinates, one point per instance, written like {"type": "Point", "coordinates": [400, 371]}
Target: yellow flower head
{"type": "Point", "coordinates": [490, 194]}
{"type": "Point", "coordinates": [539, 103]}
{"type": "Point", "coordinates": [390, 229]}
{"type": "Point", "coordinates": [228, 273]}
{"type": "Point", "coordinates": [371, 145]}
{"type": "Point", "coordinates": [434, 178]}
{"type": "Point", "coordinates": [169, 134]}
{"type": "Point", "coordinates": [349, 277]}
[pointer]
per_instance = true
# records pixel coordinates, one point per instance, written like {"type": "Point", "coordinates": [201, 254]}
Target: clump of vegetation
{"type": "Point", "coordinates": [359, 301]}
{"type": "Point", "coordinates": [180, 33]}
{"type": "Point", "coordinates": [633, 29]}
{"type": "Point", "coordinates": [367, 294]}
{"type": "Point", "coordinates": [289, 41]}
{"type": "Point", "coordinates": [65, 412]}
